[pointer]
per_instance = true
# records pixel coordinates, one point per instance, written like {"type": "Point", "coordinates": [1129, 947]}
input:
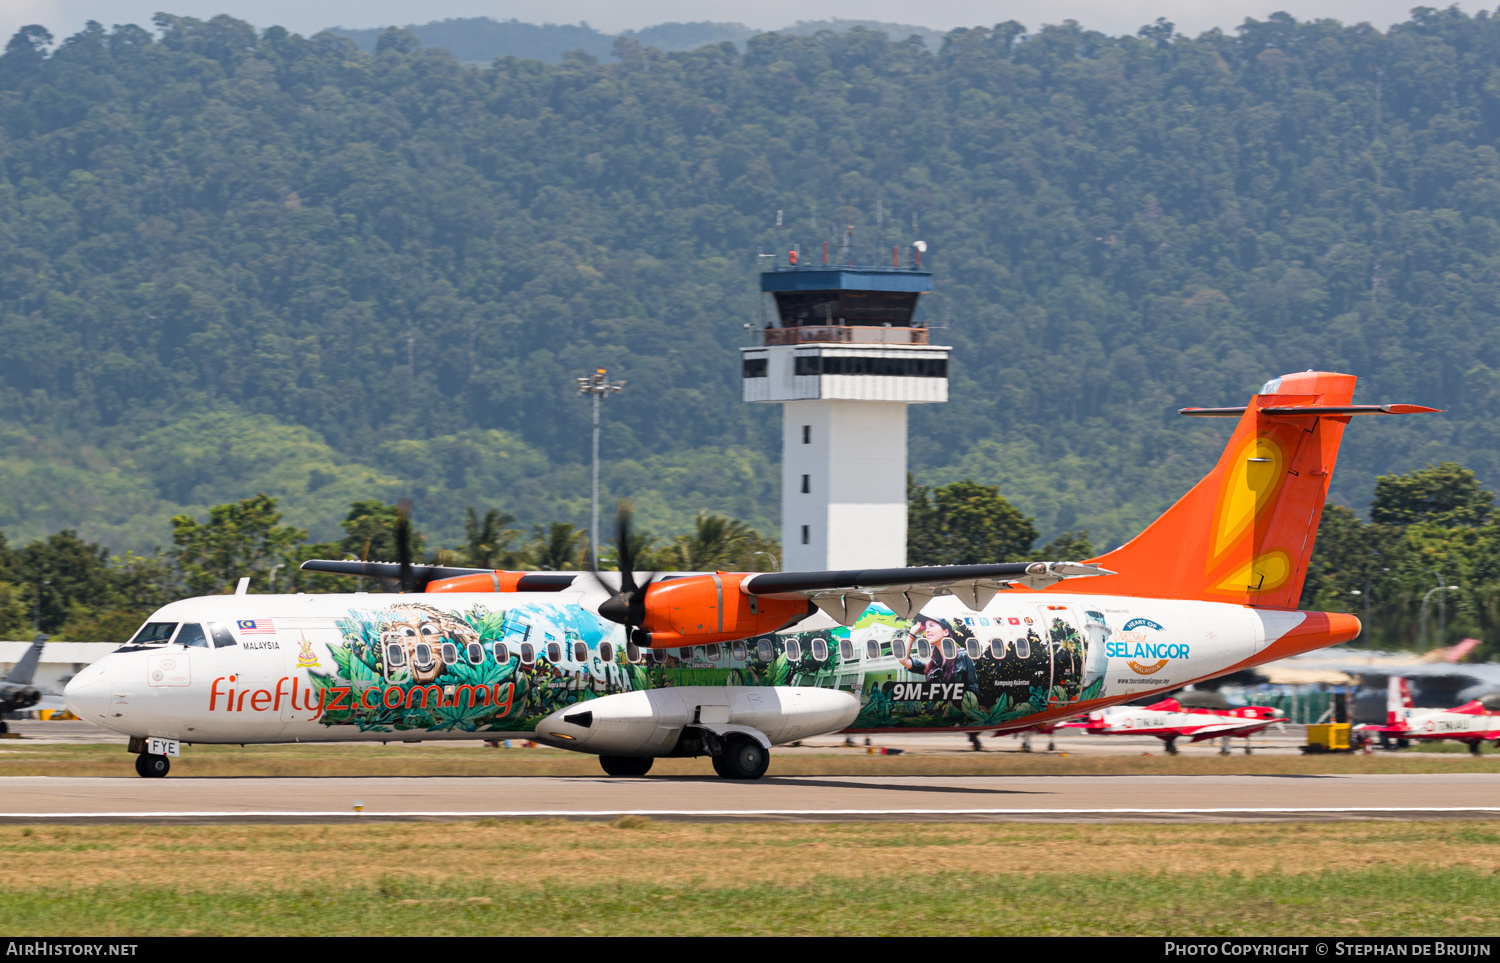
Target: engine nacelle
{"type": "Point", "coordinates": [652, 722]}
{"type": "Point", "coordinates": [14, 698]}
{"type": "Point", "coordinates": [701, 609]}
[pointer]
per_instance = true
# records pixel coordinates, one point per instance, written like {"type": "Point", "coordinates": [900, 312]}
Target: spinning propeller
{"type": "Point", "coordinates": [628, 605]}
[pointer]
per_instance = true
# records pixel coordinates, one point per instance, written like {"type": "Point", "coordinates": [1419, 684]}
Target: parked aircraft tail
{"type": "Point", "coordinates": [1245, 532]}
{"type": "Point", "coordinates": [25, 669]}
{"type": "Point", "coordinates": [1397, 699]}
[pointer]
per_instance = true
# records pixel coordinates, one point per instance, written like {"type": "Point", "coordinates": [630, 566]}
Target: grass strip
{"type": "Point", "coordinates": [639, 877]}
{"type": "Point", "coordinates": [900, 900]}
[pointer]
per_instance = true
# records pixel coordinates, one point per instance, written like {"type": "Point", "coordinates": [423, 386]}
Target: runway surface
{"type": "Point", "coordinates": [814, 798]}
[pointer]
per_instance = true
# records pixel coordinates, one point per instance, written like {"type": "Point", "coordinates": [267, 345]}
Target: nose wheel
{"type": "Point", "coordinates": [152, 767]}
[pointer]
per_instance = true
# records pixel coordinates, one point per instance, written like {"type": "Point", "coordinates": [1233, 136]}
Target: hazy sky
{"type": "Point", "coordinates": [63, 17]}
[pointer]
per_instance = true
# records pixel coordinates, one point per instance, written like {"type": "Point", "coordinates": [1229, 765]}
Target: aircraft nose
{"type": "Point", "coordinates": [87, 693]}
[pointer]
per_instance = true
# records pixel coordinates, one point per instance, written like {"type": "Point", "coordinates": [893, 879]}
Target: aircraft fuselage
{"type": "Point", "coordinates": [383, 668]}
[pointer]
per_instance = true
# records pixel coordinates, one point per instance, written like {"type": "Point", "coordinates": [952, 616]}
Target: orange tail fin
{"type": "Point", "coordinates": [1245, 532]}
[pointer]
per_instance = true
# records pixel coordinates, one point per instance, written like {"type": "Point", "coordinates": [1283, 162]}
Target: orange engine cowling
{"type": "Point", "coordinates": [711, 608]}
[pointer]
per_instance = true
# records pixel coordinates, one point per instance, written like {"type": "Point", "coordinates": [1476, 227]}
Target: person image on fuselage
{"type": "Point", "coordinates": [938, 667]}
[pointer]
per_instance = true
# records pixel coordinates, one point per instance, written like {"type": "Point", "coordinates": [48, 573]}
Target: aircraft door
{"type": "Point", "coordinates": [1066, 650]}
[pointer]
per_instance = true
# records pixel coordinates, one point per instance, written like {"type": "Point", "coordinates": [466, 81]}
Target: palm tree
{"type": "Point", "coordinates": [489, 541]}
{"type": "Point", "coordinates": [714, 544]}
{"type": "Point", "coordinates": [558, 547]}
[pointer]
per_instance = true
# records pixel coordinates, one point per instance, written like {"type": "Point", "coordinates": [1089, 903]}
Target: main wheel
{"type": "Point", "coordinates": [742, 758]}
{"type": "Point", "coordinates": [626, 765]}
{"type": "Point", "coordinates": [152, 767]}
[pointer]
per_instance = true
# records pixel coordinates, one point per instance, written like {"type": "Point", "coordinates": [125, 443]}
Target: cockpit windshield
{"type": "Point", "coordinates": [154, 633]}
{"type": "Point", "coordinates": [192, 634]}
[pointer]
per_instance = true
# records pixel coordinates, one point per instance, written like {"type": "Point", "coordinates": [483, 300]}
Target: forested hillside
{"type": "Point", "coordinates": [235, 261]}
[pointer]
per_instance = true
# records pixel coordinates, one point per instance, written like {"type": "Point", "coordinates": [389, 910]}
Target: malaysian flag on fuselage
{"type": "Point", "coordinates": [256, 627]}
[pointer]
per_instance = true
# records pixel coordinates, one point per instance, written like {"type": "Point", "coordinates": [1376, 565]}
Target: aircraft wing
{"type": "Point", "coordinates": [845, 594]}
{"type": "Point", "coordinates": [1242, 727]}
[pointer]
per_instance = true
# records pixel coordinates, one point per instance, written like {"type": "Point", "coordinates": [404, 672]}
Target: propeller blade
{"type": "Point", "coordinates": [401, 533]}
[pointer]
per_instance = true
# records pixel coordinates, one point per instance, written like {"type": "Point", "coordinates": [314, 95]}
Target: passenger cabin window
{"type": "Point", "coordinates": [450, 653]}
{"type": "Point", "coordinates": [395, 655]}
{"type": "Point", "coordinates": [502, 653]}
{"type": "Point", "coordinates": [950, 650]}
{"type": "Point", "coordinates": [659, 655]}
{"type": "Point", "coordinates": [606, 652]}
{"type": "Point", "coordinates": [554, 652]}
{"type": "Point", "coordinates": [793, 650]}
{"type": "Point", "coordinates": [739, 651]}
{"type": "Point", "coordinates": [997, 648]}
{"type": "Point", "coordinates": [765, 651]}
{"type": "Point", "coordinates": [223, 638]}
{"type": "Point", "coordinates": [632, 653]}
{"type": "Point", "coordinates": [872, 649]}
{"type": "Point", "coordinates": [424, 658]}
{"type": "Point", "coordinates": [528, 653]}
{"type": "Point", "coordinates": [191, 633]}
{"type": "Point", "coordinates": [924, 649]}
{"type": "Point", "coordinates": [712, 651]}
{"type": "Point", "coordinates": [898, 648]}
{"type": "Point", "coordinates": [972, 647]}
{"type": "Point", "coordinates": [475, 652]}
{"type": "Point", "coordinates": [580, 651]}
{"type": "Point", "coordinates": [1023, 648]}
{"type": "Point", "coordinates": [820, 650]}
{"type": "Point", "coordinates": [846, 650]}
{"type": "Point", "coordinates": [154, 633]}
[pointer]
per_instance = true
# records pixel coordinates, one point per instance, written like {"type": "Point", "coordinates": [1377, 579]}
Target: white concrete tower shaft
{"type": "Point", "coordinates": [844, 362]}
{"type": "Point", "coordinates": [843, 484]}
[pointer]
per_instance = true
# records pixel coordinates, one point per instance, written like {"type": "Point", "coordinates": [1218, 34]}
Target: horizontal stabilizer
{"type": "Point", "coordinates": [1312, 411]}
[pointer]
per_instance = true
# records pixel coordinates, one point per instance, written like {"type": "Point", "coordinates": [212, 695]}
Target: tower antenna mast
{"type": "Point", "coordinates": [596, 386]}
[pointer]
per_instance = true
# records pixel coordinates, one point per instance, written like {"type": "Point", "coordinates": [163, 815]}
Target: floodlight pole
{"type": "Point", "coordinates": [596, 386]}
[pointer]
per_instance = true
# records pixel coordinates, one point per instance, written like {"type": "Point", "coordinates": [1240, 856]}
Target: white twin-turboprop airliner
{"type": "Point", "coordinates": [728, 664]}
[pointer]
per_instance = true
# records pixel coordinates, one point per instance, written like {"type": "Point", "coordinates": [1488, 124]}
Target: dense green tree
{"type": "Point", "coordinates": [1446, 494]}
{"type": "Point", "coordinates": [370, 532]}
{"type": "Point", "coordinates": [238, 540]}
{"type": "Point", "coordinates": [62, 572]}
{"type": "Point", "coordinates": [965, 523]}
{"type": "Point", "coordinates": [1072, 546]}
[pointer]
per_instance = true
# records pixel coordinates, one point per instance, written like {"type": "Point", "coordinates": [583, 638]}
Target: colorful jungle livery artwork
{"type": "Point", "coordinates": [414, 666]}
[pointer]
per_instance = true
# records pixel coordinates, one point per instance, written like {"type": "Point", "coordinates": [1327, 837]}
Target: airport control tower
{"type": "Point", "coordinates": [844, 359]}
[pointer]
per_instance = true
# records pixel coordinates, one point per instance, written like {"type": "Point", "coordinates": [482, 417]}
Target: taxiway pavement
{"type": "Point", "coordinates": [816, 798]}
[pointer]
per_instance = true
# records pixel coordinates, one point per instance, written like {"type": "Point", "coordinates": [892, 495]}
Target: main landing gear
{"type": "Point", "coordinates": [152, 767]}
{"type": "Point", "coordinates": [742, 758]}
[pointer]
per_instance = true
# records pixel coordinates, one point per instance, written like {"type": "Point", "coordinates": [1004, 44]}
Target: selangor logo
{"type": "Point", "coordinates": [1134, 645]}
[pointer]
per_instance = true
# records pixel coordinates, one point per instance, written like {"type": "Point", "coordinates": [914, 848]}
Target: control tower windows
{"type": "Point", "coordinates": [858, 308]}
{"type": "Point", "coordinates": [755, 368]}
{"type": "Point", "coordinates": [806, 484]}
{"type": "Point", "coordinates": [887, 367]}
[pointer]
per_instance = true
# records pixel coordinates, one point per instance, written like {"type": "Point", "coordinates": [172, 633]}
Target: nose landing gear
{"type": "Point", "coordinates": [152, 767]}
